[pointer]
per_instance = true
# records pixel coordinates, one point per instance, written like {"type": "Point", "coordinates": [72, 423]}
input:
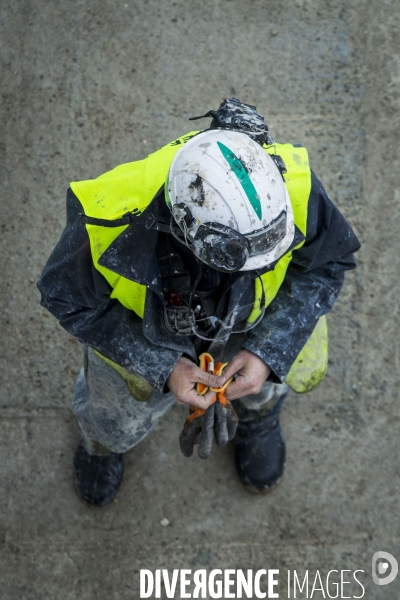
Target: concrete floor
{"type": "Point", "coordinates": [87, 85]}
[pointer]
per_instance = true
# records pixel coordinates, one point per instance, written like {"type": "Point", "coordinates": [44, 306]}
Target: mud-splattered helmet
{"type": "Point", "coordinates": [230, 202]}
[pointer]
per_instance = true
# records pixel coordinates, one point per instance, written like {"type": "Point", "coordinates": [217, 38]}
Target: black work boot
{"type": "Point", "coordinates": [260, 449]}
{"type": "Point", "coordinates": [97, 476]}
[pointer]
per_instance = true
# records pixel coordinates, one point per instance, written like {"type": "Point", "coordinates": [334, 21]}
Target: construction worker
{"type": "Point", "coordinates": [222, 242]}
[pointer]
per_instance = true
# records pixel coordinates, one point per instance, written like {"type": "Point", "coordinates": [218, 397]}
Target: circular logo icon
{"type": "Point", "coordinates": [384, 568]}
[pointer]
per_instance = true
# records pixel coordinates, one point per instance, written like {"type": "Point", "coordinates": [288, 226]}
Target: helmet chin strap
{"type": "Point", "coordinates": [175, 230]}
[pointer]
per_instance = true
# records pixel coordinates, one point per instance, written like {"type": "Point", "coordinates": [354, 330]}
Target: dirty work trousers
{"type": "Point", "coordinates": [110, 419]}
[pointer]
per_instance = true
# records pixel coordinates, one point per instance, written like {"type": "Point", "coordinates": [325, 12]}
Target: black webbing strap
{"type": "Point", "coordinates": [137, 218]}
{"type": "Point", "coordinates": [126, 219]}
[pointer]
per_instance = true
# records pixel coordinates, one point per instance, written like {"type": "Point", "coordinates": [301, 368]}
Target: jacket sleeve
{"type": "Point", "coordinates": [312, 283]}
{"type": "Point", "coordinates": [79, 297]}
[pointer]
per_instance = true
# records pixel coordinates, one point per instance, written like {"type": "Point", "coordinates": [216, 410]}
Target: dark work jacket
{"type": "Point", "coordinates": [79, 297]}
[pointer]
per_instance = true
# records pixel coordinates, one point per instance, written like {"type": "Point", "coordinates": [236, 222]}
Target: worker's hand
{"type": "Point", "coordinates": [183, 379]}
{"type": "Point", "coordinates": [251, 372]}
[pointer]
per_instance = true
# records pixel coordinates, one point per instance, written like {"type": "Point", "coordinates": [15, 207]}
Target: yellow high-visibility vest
{"type": "Point", "coordinates": [132, 186]}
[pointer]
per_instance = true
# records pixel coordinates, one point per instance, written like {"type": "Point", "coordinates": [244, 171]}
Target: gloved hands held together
{"type": "Point", "coordinates": [209, 394]}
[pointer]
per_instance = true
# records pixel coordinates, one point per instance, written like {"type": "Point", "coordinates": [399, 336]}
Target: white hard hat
{"type": "Point", "coordinates": [229, 199]}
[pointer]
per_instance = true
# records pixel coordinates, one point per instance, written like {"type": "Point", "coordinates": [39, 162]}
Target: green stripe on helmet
{"type": "Point", "coordinates": [240, 171]}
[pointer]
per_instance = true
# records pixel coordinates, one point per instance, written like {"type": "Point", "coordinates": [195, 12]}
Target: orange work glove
{"type": "Point", "coordinates": [219, 420]}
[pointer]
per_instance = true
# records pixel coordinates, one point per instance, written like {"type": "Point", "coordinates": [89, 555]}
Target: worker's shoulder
{"type": "Point", "coordinates": [129, 166]}
{"type": "Point", "coordinates": [129, 185]}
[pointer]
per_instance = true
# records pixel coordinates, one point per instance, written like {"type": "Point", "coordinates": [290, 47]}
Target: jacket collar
{"type": "Point", "coordinates": [132, 254]}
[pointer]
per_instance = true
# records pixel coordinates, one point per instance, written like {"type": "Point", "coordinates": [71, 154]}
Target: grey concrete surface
{"type": "Point", "coordinates": [87, 85]}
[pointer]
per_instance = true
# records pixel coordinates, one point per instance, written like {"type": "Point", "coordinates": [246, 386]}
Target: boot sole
{"type": "Point", "coordinates": [257, 492]}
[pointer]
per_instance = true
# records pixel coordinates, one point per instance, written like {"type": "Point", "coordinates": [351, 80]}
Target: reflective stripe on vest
{"type": "Point", "coordinates": [133, 186]}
